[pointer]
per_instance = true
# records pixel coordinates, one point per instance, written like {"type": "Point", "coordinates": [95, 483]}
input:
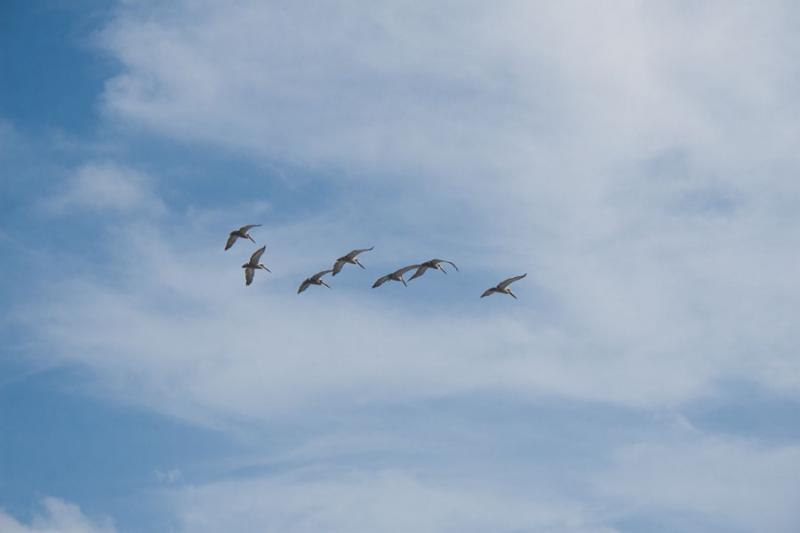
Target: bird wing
{"type": "Point", "coordinates": [354, 253]}
{"type": "Point", "coordinates": [381, 280]}
{"type": "Point", "coordinates": [248, 275]}
{"type": "Point", "coordinates": [245, 229]}
{"type": "Point", "coordinates": [401, 271]}
{"type": "Point", "coordinates": [320, 274]}
{"type": "Point", "coordinates": [488, 292]}
{"type": "Point", "coordinates": [420, 271]}
{"type": "Point", "coordinates": [256, 257]}
{"type": "Point", "coordinates": [448, 262]}
{"type": "Point", "coordinates": [231, 239]}
{"type": "Point", "coordinates": [505, 283]}
{"type": "Point", "coordinates": [304, 285]}
{"type": "Point", "coordinates": [337, 266]}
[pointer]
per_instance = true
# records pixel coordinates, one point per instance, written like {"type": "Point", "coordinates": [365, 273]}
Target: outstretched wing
{"type": "Point", "coordinates": [505, 283]}
{"type": "Point", "coordinates": [448, 262]}
{"type": "Point", "coordinates": [381, 280]}
{"type": "Point", "coordinates": [354, 253]}
{"type": "Point", "coordinates": [401, 271]}
{"type": "Point", "coordinates": [420, 271]}
{"type": "Point", "coordinates": [245, 229]}
{"type": "Point", "coordinates": [488, 292]}
{"type": "Point", "coordinates": [256, 257]}
{"type": "Point", "coordinates": [248, 275]}
{"type": "Point", "coordinates": [231, 239]}
{"type": "Point", "coordinates": [337, 266]}
{"type": "Point", "coordinates": [303, 286]}
{"type": "Point", "coordinates": [320, 274]}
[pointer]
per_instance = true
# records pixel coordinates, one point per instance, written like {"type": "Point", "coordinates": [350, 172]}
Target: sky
{"type": "Point", "coordinates": [638, 160]}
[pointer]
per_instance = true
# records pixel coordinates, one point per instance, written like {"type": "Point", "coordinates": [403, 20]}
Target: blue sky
{"type": "Point", "coordinates": [637, 160]}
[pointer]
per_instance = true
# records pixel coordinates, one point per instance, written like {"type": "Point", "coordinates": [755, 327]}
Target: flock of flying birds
{"type": "Point", "coordinates": [352, 258]}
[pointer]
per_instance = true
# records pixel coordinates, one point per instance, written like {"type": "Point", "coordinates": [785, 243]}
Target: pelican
{"type": "Point", "coordinates": [502, 287]}
{"type": "Point", "coordinates": [397, 275]}
{"type": "Point", "coordinates": [240, 233]}
{"type": "Point", "coordinates": [251, 266]}
{"type": "Point", "coordinates": [433, 263]}
{"type": "Point", "coordinates": [351, 258]}
{"type": "Point", "coordinates": [316, 279]}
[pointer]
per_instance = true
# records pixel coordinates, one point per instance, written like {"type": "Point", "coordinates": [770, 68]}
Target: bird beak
{"type": "Point", "coordinates": [325, 284]}
{"type": "Point", "coordinates": [359, 264]}
{"type": "Point", "coordinates": [512, 294]}
{"type": "Point", "coordinates": [404, 282]}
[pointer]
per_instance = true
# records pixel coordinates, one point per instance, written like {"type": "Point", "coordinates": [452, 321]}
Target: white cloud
{"type": "Point", "coordinates": [588, 146]}
{"type": "Point", "coordinates": [105, 186]}
{"type": "Point", "coordinates": [56, 516]}
{"type": "Point", "coordinates": [737, 484]}
{"type": "Point", "coordinates": [371, 501]}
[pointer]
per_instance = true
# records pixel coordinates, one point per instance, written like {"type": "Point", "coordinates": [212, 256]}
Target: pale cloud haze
{"type": "Point", "coordinates": [637, 160]}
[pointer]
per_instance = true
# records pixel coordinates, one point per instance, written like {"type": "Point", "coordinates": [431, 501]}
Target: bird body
{"type": "Point", "coordinates": [502, 287]}
{"type": "Point", "coordinates": [316, 279]}
{"type": "Point", "coordinates": [397, 275]}
{"type": "Point", "coordinates": [254, 264]}
{"type": "Point", "coordinates": [351, 258]}
{"type": "Point", "coordinates": [433, 263]}
{"type": "Point", "coordinates": [241, 233]}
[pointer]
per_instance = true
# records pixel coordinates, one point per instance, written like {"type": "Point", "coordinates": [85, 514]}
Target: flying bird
{"type": "Point", "coordinates": [433, 263]}
{"type": "Point", "coordinates": [240, 233]}
{"type": "Point", "coordinates": [351, 258]}
{"type": "Point", "coordinates": [502, 287]}
{"type": "Point", "coordinates": [251, 266]}
{"type": "Point", "coordinates": [397, 275]}
{"type": "Point", "coordinates": [316, 279]}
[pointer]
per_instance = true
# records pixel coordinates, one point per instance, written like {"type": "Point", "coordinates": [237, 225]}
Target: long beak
{"type": "Point", "coordinates": [512, 294]}
{"type": "Point", "coordinates": [325, 284]}
{"type": "Point", "coordinates": [265, 268]}
{"type": "Point", "coordinates": [404, 282]}
{"type": "Point", "coordinates": [442, 269]}
{"type": "Point", "coordinates": [252, 239]}
{"type": "Point", "coordinates": [359, 264]}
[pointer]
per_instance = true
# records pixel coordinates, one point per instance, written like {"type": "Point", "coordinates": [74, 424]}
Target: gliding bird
{"type": "Point", "coordinates": [251, 266]}
{"type": "Point", "coordinates": [502, 287]}
{"type": "Point", "coordinates": [351, 258]}
{"type": "Point", "coordinates": [433, 263]}
{"type": "Point", "coordinates": [316, 279]}
{"type": "Point", "coordinates": [397, 275]}
{"type": "Point", "coordinates": [240, 233]}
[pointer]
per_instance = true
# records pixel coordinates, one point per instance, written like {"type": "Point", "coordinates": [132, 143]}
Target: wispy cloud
{"type": "Point", "coordinates": [382, 501]}
{"type": "Point", "coordinates": [105, 186]}
{"type": "Point", "coordinates": [56, 516]}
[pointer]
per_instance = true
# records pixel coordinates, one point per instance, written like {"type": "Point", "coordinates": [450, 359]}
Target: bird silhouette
{"type": "Point", "coordinates": [316, 279]}
{"type": "Point", "coordinates": [433, 263]}
{"type": "Point", "coordinates": [351, 258]}
{"type": "Point", "coordinates": [240, 233]}
{"type": "Point", "coordinates": [254, 264]}
{"type": "Point", "coordinates": [397, 275]}
{"type": "Point", "coordinates": [502, 287]}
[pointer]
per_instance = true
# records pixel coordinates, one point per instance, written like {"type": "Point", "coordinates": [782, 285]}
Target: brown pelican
{"type": "Point", "coordinates": [251, 266]}
{"type": "Point", "coordinates": [433, 263]}
{"type": "Point", "coordinates": [397, 275]}
{"type": "Point", "coordinates": [240, 233]}
{"type": "Point", "coordinates": [502, 287]}
{"type": "Point", "coordinates": [351, 258]}
{"type": "Point", "coordinates": [316, 279]}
